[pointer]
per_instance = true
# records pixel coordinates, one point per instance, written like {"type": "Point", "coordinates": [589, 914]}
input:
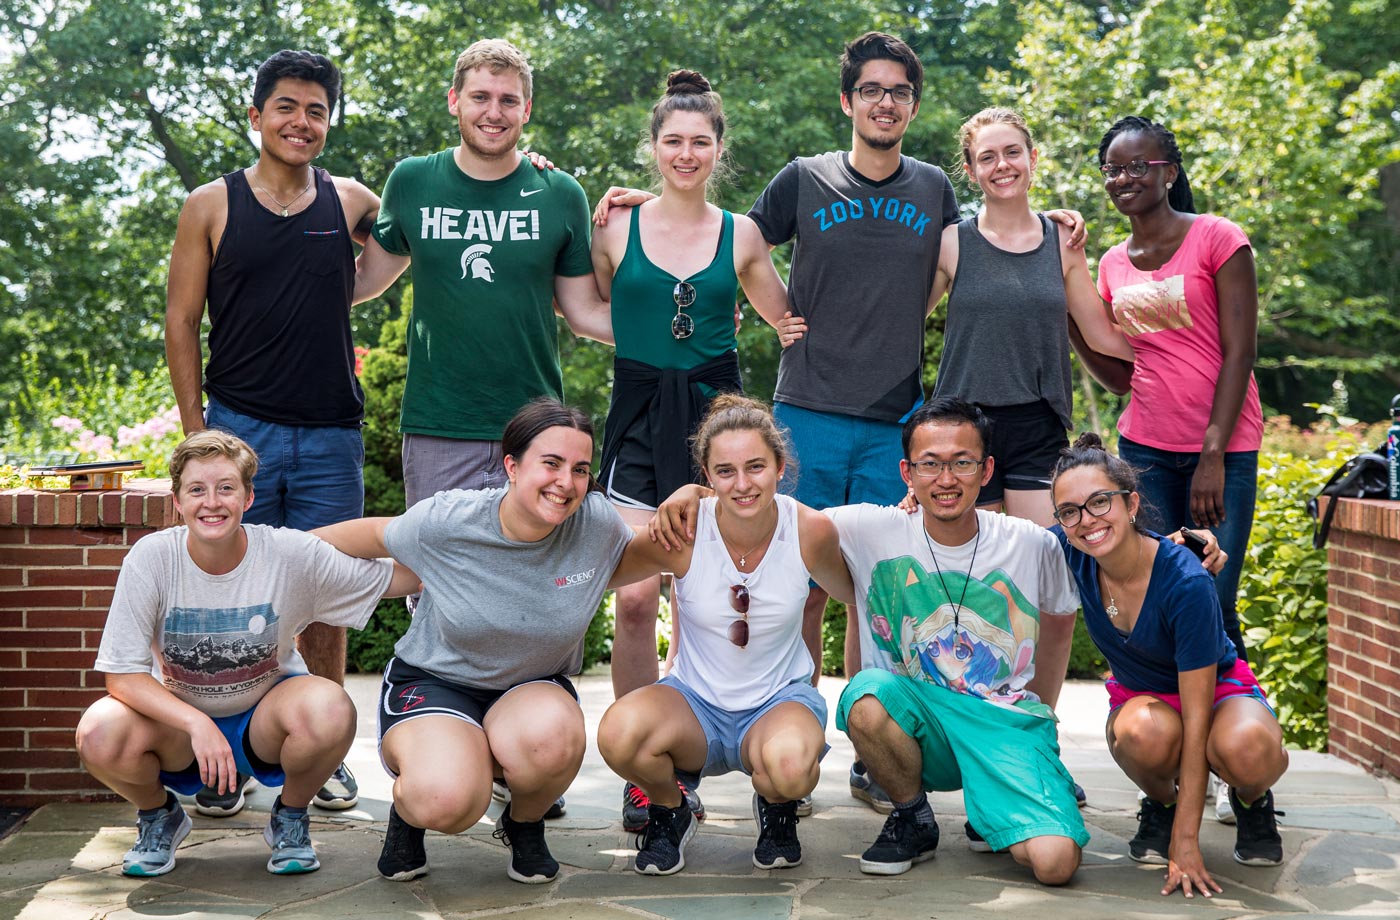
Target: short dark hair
{"type": "Point", "coordinates": [534, 418]}
{"type": "Point", "coordinates": [947, 409]}
{"type": "Point", "coordinates": [296, 65]}
{"type": "Point", "coordinates": [1179, 196]}
{"type": "Point", "coordinates": [877, 46]}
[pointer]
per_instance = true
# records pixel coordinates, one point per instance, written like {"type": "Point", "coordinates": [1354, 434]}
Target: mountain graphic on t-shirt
{"type": "Point", "coordinates": [215, 649]}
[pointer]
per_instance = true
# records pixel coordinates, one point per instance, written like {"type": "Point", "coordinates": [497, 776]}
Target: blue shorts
{"type": "Point", "coordinates": [725, 729]}
{"type": "Point", "coordinates": [308, 476]}
{"type": "Point", "coordinates": [235, 731]}
{"type": "Point", "coordinates": [841, 459]}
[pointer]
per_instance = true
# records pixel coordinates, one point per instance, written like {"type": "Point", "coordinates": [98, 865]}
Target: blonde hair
{"type": "Point", "coordinates": [991, 116]}
{"type": "Point", "coordinates": [736, 412]}
{"type": "Point", "coordinates": [207, 444]}
{"type": "Point", "coordinates": [497, 55]}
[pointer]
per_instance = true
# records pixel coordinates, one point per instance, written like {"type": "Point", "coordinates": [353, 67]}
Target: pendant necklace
{"type": "Point", "coordinates": [1112, 608]}
{"type": "Point", "coordinates": [279, 204]}
{"type": "Point", "coordinates": [743, 557]}
{"type": "Point", "coordinates": [957, 609]}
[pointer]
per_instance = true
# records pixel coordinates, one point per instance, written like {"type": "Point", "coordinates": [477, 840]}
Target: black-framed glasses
{"type": "Point", "coordinates": [682, 325]}
{"type": "Point", "coordinates": [1097, 504]}
{"type": "Point", "coordinates": [739, 602]}
{"type": "Point", "coordinates": [1137, 168]}
{"type": "Point", "coordinates": [874, 93]}
{"type": "Point", "coordinates": [963, 468]}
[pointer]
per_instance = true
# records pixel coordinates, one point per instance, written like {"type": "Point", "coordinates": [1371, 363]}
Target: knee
{"type": "Point", "coordinates": [552, 742]}
{"type": "Point", "coordinates": [321, 711]}
{"type": "Point", "coordinates": [444, 801]}
{"type": "Point", "coordinates": [622, 733]}
{"type": "Point", "coordinates": [102, 735]}
{"type": "Point", "coordinates": [1055, 864]}
{"type": "Point", "coordinates": [1250, 754]}
{"type": "Point", "coordinates": [1143, 739]}
{"type": "Point", "coordinates": [791, 769]}
{"type": "Point", "coordinates": [866, 718]}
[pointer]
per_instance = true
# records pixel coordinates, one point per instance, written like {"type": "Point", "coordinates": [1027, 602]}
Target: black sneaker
{"type": "Point", "coordinates": [210, 804]}
{"type": "Point", "coordinates": [530, 860]}
{"type": "Point", "coordinates": [340, 791]}
{"type": "Point", "coordinates": [975, 841]}
{"type": "Point", "coordinates": [634, 808]}
{"type": "Point", "coordinates": [869, 791]}
{"type": "Point", "coordinates": [500, 791]}
{"type": "Point", "coordinates": [403, 856]}
{"type": "Point", "coordinates": [1080, 798]}
{"type": "Point", "coordinates": [1257, 841]}
{"type": "Point", "coordinates": [778, 846]}
{"type": "Point", "coordinates": [903, 841]}
{"type": "Point", "coordinates": [1153, 840]}
{"type": "Point", "coordinates": [661, 849]}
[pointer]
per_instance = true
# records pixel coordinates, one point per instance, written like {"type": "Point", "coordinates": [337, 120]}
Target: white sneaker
{"type": "Point", "coordinates": [1223, 812]}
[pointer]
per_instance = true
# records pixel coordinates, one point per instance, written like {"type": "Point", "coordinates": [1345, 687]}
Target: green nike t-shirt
{"type": "Point", "coordinates": [482, 337]}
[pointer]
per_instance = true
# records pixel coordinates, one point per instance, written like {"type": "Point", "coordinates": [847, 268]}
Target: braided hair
{"type": "Point", "coordinates": [1179, 195]}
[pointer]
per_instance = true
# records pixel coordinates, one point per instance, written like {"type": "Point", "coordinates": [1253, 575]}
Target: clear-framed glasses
{"type": "Point", "coordinates": [963, 468]}
{"type": "Point", "coordinates": [874, 93]}
{"type": "Point", "coordinates": [1137, 168]}
{"type": "Point", "coordinates": [1097, 504]}
{"type": "Point", "coordinates": [682, 325]}
{"type": "Point", "coordinates": [739, 602]}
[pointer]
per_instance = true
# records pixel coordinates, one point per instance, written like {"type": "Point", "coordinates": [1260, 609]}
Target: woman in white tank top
{"type": "Point", "coordinates": [740, 695]}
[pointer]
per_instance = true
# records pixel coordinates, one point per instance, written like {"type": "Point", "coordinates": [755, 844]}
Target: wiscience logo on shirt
{"type": "Point", "coordinates": [211, 651]}
{"type": "Point", "coordinates": [579, 578]}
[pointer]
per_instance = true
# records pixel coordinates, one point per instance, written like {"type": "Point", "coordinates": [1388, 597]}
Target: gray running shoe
{"type": "Point", "coordinates": [340, 791]}
{"type": "Point", "coordinates": [157, 837]}
{"type": "Point", "coordinates": [869, 791]}
{"type": "Point", "coordinates": [975, 841]}
{"type": "Point", "coordinates": [289, 836]}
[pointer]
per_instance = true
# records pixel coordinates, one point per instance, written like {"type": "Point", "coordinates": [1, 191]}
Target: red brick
{"type": "Point", "coordinates": [40, 555]}
{"type": "Point", "coordinates": [74, 536]}
{"type": "Point", "coordinates": [77, 661]}
{"type": "Point", "coordinates": [132, 534]}
{"type": "Point", "coordinates": [25, 598]}
{"type": "Point", "coordinates": [65, 510]}
{"type": "Point", "coordinates": [67, 780]}
{"type": "Point", "coordinates": [132, 508]}
{"type": "Point", "coordinates": [1343, 639]}
{"type": "Point", "coordinates": [92, 638]}
{"type": "Point", "coordinates": [51, 718]}
{"type": "Point", "coordinates": [24, 508]}
{"type": "Point", "coordinates": [98, 598]}
{"type": "Point", "coordinates": [110, 507]}
{"type": "Point", "coordinates": [11, 740]}
{"type": "Point", "coordinates": [1373, 651]}
{"type": "Point", "coordinates": [78, 576]}
{"type": "Point", "coordinates": [107, 555]}
{"type": "Point", "coordinates": [63, 699]}
{"type": "Point", "coordinates": [11, 660]}
{"type": "Point", "coordinates": [43, 760]}
{"type": "Point", "coordinates": [43, 739]}
{"type": "Point", "coordinates": [35, 677]}
{"type": "Point", "coordinates": [11, 536]}
{"type": "Point", "coordinates": [12, 782]}
{"type": "Point", "coordinates": [11, 578]}
{"type": "Point", "coordinates": [7, 508]}
{"type": "Point", "coordinates": [45, 509]}
{"type": "Point", "coordinates": [11, 619]}
{"type": "Point", "coordinates": [88, 514]}
{"type": "Point", "coordinates": [40, 638]}
{"type": "Point", "coordinates": [1356, 581]}
{"type": "Point", "coordinates": [42, 618]}
{"type": "Point", "coordinates": [11, 699]}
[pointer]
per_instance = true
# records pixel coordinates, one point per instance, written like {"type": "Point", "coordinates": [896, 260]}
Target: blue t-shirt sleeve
{"type": "Point", "coordinates": [1192, 608]}
{"type": "Point", "coordinates": [775, 211]}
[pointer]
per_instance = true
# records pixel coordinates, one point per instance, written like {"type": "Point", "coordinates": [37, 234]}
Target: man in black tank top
{"type": "Point", "coordinates": [269, 250]}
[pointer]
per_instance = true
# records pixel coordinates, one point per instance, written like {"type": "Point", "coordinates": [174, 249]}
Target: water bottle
{"type": "Point", "coordinates": [1392, 449]}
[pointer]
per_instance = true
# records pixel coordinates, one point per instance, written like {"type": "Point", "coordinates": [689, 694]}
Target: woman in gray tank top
{"type": "Point", "coordinates": [1010, 278]}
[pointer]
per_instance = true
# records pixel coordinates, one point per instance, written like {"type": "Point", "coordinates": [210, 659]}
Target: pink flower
{"type": "Point", "coordinates": [882, 628]}
{"type": "Point", "coordinates": [67, 424]}
{"type": "Point", "coordinates": [360, 352]}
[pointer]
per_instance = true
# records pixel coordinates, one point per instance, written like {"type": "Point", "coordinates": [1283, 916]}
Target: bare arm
{"type": "Point", "coordinates": [1237, 291]}
{"type": "Point", "coordinates": [186, 290]}
{"type": "Point", "coordinates": [1115, 374]}
{"type": "Point", "coordinates": [644, 558]}
{"type": "Point", "coordinates": [144, 694]}
{"type": "Point", "coordinates": [765, 290]}
{"type": "Point", "coordinates": [361, 207]}
{"type": "Point", "coordinates": [1185, 867]}
{"type": "Point", "coordinates": [821, 553]}
{"type": "Point", "coordinates": [375, 270]}
{"type": "Point", "coordinates": [947, 268]}
{"type": "Point", "coordinates": [589, 316]}
{"type": "Point", "coordinates": [1087, 307]}
{"type": "Point", "coordinates": [1052, 650]}
{"type": "Point", "coordinates": [362, 538]}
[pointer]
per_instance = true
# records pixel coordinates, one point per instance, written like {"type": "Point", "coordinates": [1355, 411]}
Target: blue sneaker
{"type": "Point", "coordinates": [869, 791]}
{"type": "Point", "coordinates": [157, 837]}
{"type": "Point", "coordinates": [289, 836]}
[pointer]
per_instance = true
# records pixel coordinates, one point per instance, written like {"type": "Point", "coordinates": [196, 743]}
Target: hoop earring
{"type": "Point", "coordinates": [1132, 519]}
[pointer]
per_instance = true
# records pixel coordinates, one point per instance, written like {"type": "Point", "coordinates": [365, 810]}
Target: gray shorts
{"type": "Point", "coordinates": [432, 465]}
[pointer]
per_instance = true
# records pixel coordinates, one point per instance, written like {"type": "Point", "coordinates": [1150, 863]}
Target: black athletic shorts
{"type": "Point", "coordinates": [1026, 442]}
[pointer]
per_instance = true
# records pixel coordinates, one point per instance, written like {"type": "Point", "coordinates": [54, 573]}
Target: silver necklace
{"type": "Point", "coordinates": [279, 204]}
{"type": "Point", "coordinates": [957, 609]}
{"type": "Point", "coordinates": [743, 557]}
{"type": "Point", "coordinates": [1112, 608]}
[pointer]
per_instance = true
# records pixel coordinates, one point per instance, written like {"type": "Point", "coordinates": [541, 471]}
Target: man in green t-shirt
{"type": "Point", "coordinates": [494, 244]}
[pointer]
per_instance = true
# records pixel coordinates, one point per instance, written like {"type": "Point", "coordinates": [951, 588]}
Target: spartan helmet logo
{"type": "Point", "coordinates": [475, 256]}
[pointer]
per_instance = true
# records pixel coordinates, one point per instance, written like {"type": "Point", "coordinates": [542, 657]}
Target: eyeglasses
{"type": "Point", "coordinates": [1098, 504]}
{"type": "Point", "coordinates": [739, 601]}
{"type": "Point", "coordinates": [682, 325]}
{"type": "Point", "coordinates": [932, 469]}
{"type": "Point", "coordinates": [874, 93]}
{"type": "Point", "coordinates": [1137, 168]}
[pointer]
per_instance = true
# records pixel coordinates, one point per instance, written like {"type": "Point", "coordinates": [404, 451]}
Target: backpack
{"type": "Point", "coordinates": [1363, 476]}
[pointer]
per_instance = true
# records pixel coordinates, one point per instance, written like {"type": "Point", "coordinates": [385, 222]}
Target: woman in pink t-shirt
{"type": "Point", "coordinates": [1182, 286]}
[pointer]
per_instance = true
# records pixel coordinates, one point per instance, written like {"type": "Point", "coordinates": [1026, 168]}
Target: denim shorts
{"type": "Point", "coordinates": [841, 459]}
{"type": "Point", "coordinates": [725, 729]}
{"type": "Point", "coordinates": [1006, 761]}
{"type": "Point", "coordinates": [235, 731]}
{"type": "Point", "coordinates": [308, 477]}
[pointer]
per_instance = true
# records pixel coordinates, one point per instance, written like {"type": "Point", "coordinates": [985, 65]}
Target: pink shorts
{"type": "Point", "coordinates": [1239, 680]}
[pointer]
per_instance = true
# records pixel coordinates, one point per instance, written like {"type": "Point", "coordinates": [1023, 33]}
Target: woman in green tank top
{"type": "Point", "coordinates": [671, 268]}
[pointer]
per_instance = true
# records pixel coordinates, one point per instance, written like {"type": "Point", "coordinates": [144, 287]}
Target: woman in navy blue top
{"type": "Point", "coordinates": [1182, 701]}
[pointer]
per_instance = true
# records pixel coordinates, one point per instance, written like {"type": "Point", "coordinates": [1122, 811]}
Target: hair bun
{"type": "Point", "coordinates": [1089, 440]}
{"type": "Point", "coordinates": [686, 82]}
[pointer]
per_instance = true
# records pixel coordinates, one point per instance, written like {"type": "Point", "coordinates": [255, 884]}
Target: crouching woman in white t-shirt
{"type": "Point", "coordinates": [740, 694]}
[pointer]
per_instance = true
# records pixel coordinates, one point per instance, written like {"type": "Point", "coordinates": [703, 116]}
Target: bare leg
{"type": "Point", "coordinates": [646, 735]}
{"type": "Point", "coordinates": [781, 750]}
{"type": "Point", "coordinates": [126, 751]}
{"type": "Point", "coordinates": [1144, 737]}
{"type": "Point", "coordinates": [893, 759]}
{"type": "Point", "coordinates": [634, 639]}
{"type": "Point", "coordinates": [535, 733]}
{"type": "Point", "coordinates": [1031, 504]}
{"type": "Point", "coordinates": [444, 769]}
{"type": "Point", "coordinates": [306, 724]}
{"type": "Point", "coordinates": [1245, 746]}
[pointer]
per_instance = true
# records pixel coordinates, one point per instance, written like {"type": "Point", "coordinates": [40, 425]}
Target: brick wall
{"type": "Point", "coordinates": [1363, 634]}
{"type": "Point", "coordinates": [59, 558]}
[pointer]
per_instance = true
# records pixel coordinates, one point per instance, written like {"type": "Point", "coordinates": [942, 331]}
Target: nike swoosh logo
{"type": "Point", "coordinates": [525, 194]}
